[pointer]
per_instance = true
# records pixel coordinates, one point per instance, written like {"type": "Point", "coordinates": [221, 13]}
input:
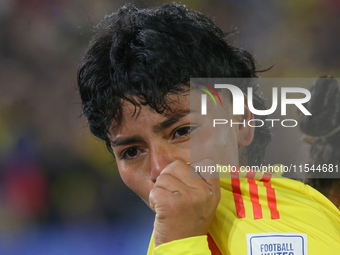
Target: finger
{"type": "Point", "coordinates": [207, 170]}
{"type": "Point", "coordinates": [158, 195]}
{"type": "Point", "coordinates": [181, 171]}
{"type": "Point", "coordinates": [170, 183]}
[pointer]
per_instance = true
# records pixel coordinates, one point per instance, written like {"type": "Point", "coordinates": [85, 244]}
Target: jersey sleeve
{"type": "Point", "coordinates": [197, 245]}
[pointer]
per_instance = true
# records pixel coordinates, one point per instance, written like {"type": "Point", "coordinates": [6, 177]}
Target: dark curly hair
{"type": "Point", "coordinates": [323, 125]}
{"type": "Point", "coordinates": [150, 53]}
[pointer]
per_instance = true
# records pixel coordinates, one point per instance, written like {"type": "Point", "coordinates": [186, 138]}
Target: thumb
{"type": "Point", "coordinates": [207, 170]}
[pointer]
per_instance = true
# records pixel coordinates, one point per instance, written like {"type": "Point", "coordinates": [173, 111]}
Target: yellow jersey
{"type": "Point", "coordinates": [265, 214]}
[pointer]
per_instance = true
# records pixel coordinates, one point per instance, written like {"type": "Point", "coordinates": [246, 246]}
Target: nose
{"type": "Point", "coordinates": [160, 157]}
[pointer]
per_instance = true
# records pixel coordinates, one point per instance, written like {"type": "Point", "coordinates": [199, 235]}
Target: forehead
{"type": "Point", "coordinates": [135, 111]}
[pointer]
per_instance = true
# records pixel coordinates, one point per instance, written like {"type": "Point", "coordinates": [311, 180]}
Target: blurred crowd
{"type": "Point", "coordinates": [53, 172]}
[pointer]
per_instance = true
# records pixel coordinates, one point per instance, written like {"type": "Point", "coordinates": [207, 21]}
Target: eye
{"type": "Point", "coordinates": [130, 153]}
{"type": "Point", "coordinates": [183, 132]}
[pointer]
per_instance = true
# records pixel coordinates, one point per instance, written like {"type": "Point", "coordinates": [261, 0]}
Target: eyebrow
{"type": "Point", "coordinates": [171, 120]}
{"type": "Point", "coordinates": [121, 141]}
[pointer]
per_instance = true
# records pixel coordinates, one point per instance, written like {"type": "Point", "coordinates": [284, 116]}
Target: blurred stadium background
{"type": "Point", "coordinates": [60, 192]}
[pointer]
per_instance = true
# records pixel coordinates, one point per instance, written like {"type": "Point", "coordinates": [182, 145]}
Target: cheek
{"type": "Point", "coordinates": [137, 181]}
{"type": "Point", "coordinates": [218, 143]}
{"type": "Point", "coordinates": [228, 148]}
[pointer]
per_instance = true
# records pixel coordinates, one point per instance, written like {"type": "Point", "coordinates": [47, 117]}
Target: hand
{"type": "Point", "coordinates": [184, 206]}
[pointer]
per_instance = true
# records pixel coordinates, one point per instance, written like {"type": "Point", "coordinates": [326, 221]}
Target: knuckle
{"type": "Point", "coordinates": [154, 194]}
{"type": "Point", "coordinates": [173, 166]}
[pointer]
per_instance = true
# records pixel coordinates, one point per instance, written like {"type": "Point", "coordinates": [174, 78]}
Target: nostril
{"type": "Point", "coordinates": [153, 177]}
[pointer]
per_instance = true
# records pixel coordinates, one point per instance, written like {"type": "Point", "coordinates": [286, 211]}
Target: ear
{"type": "Point", "coordinates": [245, 133]}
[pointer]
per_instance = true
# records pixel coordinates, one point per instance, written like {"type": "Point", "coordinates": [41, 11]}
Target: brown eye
{"type": "Point", "coordinates": [130, 153]}
{"type": "Point", "coordinates": [183, 132]}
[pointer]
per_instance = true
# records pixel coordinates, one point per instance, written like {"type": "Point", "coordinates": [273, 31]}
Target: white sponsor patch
{"type": "Point", "coordinates": [277, 244]}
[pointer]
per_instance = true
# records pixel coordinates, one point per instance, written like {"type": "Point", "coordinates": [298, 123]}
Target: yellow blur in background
{"type": "Point", "coordinates": [60, 192]}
